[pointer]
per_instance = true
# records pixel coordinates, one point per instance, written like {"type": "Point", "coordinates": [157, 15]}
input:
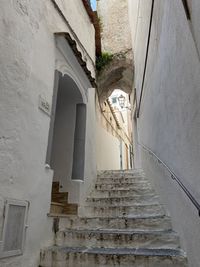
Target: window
{"type": "Point", "coordinates": [14, 228]}
{"type": "Point", "coordinates": [114, 100]}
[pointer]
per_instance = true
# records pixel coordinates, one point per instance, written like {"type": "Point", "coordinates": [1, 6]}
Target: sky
{"type": "Point", "coordinates": [93, 3]}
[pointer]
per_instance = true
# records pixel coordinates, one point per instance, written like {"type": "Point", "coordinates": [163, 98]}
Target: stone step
{"type": "Point", "coordinates": [71, 208]}
{"type": "Point", "coordinates": [136, 209]}
{"type": "Point", "coordinates": [121, 180]}
{"type": "Point", "coordinates": [56, 207]}
{"type": "Point", "coordinates": [122, 186]}
{"type": "Point", "coordinates": [63, 208]}
{"type": "Point", "coordinates": [121, 174]}
{"type": "Point", "coordinates": [117, 238]}
{"type": "Point", "coordinates": [140, 189]}
{"type": "Point", "coordinates": [158, 222]}
{"type": "Point", "coordinates": [122, 192]}
{"type": "Point", "coordinates": [57, 256]}
{"type": "Point", "coordinates": [121, 225]}
{"type": "Point", "coordinates": [122, 200]}
{"type": "Point", "coordinates": [61, 197]}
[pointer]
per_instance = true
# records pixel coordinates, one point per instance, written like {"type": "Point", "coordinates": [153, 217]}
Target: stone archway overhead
{"type": "Point", "coordinates": [118, 74]}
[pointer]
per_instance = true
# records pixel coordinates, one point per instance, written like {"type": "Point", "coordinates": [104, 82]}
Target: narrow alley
{"type": "Point", "coordinates": [99, 133]}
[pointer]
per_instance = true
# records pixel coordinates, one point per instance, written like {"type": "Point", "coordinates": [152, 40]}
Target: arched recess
{"type": "Point", "coordinates": [66, 146]}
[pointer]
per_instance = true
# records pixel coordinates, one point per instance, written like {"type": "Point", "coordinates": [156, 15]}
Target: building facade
{"type": "Point", "coordinates": [47, 108]}
{"type": "Point", "coordinates": [114, 131]}
{"type": "Point", "coordinates": [166, 43]}
{"type": "Point", "coordinates": [114, 145]}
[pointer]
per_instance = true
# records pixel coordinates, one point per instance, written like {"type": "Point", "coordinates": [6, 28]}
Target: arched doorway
{"type": "Point", "coordinates": [66, 146]}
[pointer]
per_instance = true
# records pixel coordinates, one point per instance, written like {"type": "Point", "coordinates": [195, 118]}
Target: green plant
{"type": "Point", "coordinates": [104, 59]}
{"type": "Point", "coordinates": [100, 22]}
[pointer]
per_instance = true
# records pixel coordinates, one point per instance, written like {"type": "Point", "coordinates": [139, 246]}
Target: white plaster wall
{"type": "Point", "coordinates": [90, 148]}
{"type": "Point", "coordinates": [184, 216]}
{"type": "Point", "coordinates": [108, 136]}
{"type": "Point", "coordinates": [79, 20]}
{"type": "Point", "coordinates": [108, 150]}
{"type": "Point", "coordinates": [27, 70]}
{"type": "Point", "coordinates": [85, 34]}
{"type": "Point", "coordinates": [133, 13]}
{"type": "Point", "coordinates": [139, 14]}
{"type": "Point", "coordinates": [169, 119]}
{"type": "Point", "coordinates": [194, 9]}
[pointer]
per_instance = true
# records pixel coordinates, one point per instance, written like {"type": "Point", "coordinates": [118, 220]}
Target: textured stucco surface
{"type": "Point", "coordinates": [84, 36]}
{"type": "Point", "coordinates": [108, 138]}
{"type": "Point", "coordinates": [169, 118]}
{"type": "Point", "coordinates": [80, 22]}
{"type": "Point", "coordinates": [108, 150]}
{"type": "Point", "coordinates": [27, 71]}
{"type": "Point", "coordinates": [184, 216]}
{"type": "Point", "coordinates": [195, 22]}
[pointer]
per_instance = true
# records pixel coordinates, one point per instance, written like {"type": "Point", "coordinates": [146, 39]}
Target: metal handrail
{"type": "Point", "coordinates": [176, 178]}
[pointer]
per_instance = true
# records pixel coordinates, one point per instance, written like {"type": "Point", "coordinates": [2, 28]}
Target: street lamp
{"type": "Point", "coordinates": [121, 100]}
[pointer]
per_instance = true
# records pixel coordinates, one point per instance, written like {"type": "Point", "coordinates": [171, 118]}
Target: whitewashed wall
{"type": "Point", "coordinates": [108, 150]}
{"type": "Point", "coordinates": [27, 59]}
{"type": "Point", "coordinates": [169, 118]}
{"type": "Point", "coordinates": [79, 20]}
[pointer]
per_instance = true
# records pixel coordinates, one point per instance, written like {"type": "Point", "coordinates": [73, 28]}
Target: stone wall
{"type": "Point", "coordinates": [114, 23]}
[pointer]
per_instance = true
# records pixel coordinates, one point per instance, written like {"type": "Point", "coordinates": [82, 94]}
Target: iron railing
{"type": "Point", "coordinates": [176, 178]}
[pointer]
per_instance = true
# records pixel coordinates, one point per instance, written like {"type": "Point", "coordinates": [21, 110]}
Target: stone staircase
{"type": "Point", "coordinates": [122, 224]}
{"type": "Point", "coordinates": [59, 203]}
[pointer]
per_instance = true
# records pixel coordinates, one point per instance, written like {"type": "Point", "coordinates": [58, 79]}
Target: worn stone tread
{"type": "Point", "coordinates": [131, 198]}
{"type": "Point", "coordinates": [120, 251]}
{"type": "Point", "coordinates": [122, 223]}
{"type": "Point", "coordinates": [118, 231]}
{"type": "Point", "coordinates": [119, 200]}
{"type": "Point", "coordinates": [122, 182]}
{"type": "Point", "coordinates": [125, 189]}
{"type": "Point", "coordinates": [136, 205]}
{"type": "Point", "coordinates": [127, 217]}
